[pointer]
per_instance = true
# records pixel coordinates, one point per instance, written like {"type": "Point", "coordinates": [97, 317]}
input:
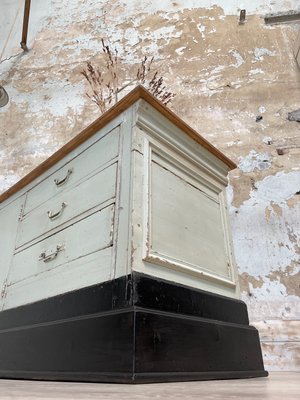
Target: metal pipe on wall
{"type": "Point", "coordinates": [25, 25]}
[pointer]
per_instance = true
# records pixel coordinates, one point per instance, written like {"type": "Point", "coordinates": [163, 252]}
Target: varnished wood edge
{"type": "Point", "coordinates": [138, 93]}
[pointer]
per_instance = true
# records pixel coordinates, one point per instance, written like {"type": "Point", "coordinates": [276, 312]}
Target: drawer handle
{"type": "Point", "coordinates": [52, 215]}
{"type": "Point", "coordinates": [60, 182]}
{"type": "Point", "coordinates": [52, 256]}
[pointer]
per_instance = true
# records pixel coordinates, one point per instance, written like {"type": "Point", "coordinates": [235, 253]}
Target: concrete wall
{"type": "Point", "coordinates": [224, 75]}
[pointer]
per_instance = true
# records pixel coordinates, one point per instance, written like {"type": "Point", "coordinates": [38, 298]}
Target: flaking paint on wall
{"type": "Point", "coordinates": [255, 161]}
{"type": "Point", "coordinates": [266, 240]}
{"type": "Point", "coordinates": [225, 75]}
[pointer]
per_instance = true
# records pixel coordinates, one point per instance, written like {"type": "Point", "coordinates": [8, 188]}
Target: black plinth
{"type": "Point", "coordinates": [134, 329]}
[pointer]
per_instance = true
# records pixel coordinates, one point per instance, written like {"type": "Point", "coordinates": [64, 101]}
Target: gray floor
{"type": "Point", "coordinates": [280, 385]}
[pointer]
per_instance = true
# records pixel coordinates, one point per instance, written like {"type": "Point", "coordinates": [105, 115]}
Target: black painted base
{"type": "Point", "coordinates": [133, 330]}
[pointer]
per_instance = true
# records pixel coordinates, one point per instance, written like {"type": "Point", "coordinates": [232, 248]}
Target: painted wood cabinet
{"type": "Point", "coordinates": [138, 195]}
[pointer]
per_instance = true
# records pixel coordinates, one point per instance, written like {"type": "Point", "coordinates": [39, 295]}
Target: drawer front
{"type": "Point", "coordinates": [87, 236]}
{"type": "Point", "coordinates": [100, 153]}
{"type": "Point", "coordinates": [68, 204]}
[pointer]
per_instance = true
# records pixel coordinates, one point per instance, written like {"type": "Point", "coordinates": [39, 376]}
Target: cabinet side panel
{"type": "Point", "coordinates": [179, 215]}
{"type": "Point", "coordinates": [186, 224]}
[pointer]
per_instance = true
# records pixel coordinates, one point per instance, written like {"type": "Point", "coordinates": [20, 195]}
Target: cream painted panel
{"type": "Point", "coordinates": [85, 271]}
{"type": "Point", "coordinates": [85, 237]}
{"type": "Point", "coordinates": [156, 139]}
{"type": "Point", "coordinates": [140, 235]}
{"type": "Point", "coordinates": [95, 156]}
{"type": "Point", "coordinates": [88, 194]}
{"type": "Point", "coordinates": [186, 224]}
{"type": "Point", "coordinates": [9, 216]}
{"type": "Point", "coordinates": [122, 255]}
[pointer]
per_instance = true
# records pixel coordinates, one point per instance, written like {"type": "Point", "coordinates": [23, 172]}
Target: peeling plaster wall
{"type": "Point", "coordinates": [225, 75]}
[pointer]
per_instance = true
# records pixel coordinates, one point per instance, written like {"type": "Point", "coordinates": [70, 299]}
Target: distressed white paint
{"type": "Point", "coordinates": [89, 235]}
{"type": "Point", "coordinates": [239, 59]}
{"type": "Point", "coordinates": [260, 53]}
{"type": "Point", "coordinates": [254, 160]}
{"type": "Point", "coordinates": [256, 71]}
{"type": "Point", "coordinates": [201, 29]}
{"type": "Point", "coordinates": [82, 260]}
{"type": "Point", "coordinates": [262, 109]}
{"type": "Point", "coordinates": [89, 193]}
{"type": "Point", "coordinates": [229, 6]}
{"type": "Point", "coordinates": [277, 188]}
{"type": "Point", "coordinates": [165, 220]}
{"type": "Point", "coordinates": [268, 140]}
{"type": "Point", "coordinates": [185, 221]}
{"type": "Point", "coordinates": [95, 267]}
{"type": "Point", "coordinates": [86, 163]}
{"type": "Point", "coordinates": [263, 248]}
{"type": "Point", "coordinates": [180, 50]}
{"type": "Point", "coordinates": [61, 96]}
{"type": "Point", "coordinates": [41, 12]}
{"type": "Point", "coordinates": [67, 246]}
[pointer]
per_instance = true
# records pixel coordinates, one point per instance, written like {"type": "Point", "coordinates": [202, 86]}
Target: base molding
{"type": "Point", "coordinates": [132, 378]}
{"type": "Point", "coordinates": [131, 344]}
{"type": "Point", "coordinates": [169, 345]}
{"type": "Point", "coordinates": [197, 376]}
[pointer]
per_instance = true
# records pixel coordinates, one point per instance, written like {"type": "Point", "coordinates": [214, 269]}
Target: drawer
{"type": "Point", "coordinates": [95, 156]}
{"type": "Point", "coordinates": [70, 203]}
{"type": "Point", "coordinates": [87, 236]}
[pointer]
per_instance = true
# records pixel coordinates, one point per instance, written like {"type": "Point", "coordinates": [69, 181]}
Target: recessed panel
{"type": "Point", "coordinates": [186, 224]}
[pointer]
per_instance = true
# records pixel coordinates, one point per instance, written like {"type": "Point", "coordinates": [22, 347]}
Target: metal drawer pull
{"type": "Point", "coordinates": [51, 257]}
{"type": "Point", "coordinates": [64, 180]}
{"type": "Point", "coordinates": [52, 215]}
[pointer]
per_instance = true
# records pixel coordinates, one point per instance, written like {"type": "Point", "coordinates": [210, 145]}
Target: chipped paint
{"type": "Point", "coordinates": [290, 280]}
{"type": "Point", "coordinates": [262, 109]}
{"type": "Point", "coordinates": [267, 230]}
{"type": "Point", "coordinates": [256, 71]}
{"type": "Point", "coordinates": [180, 51]}
{"type": "Point", "coordinates": [254, 161]}
{"type": "Point", "coordinates": [267, 140]}
{"type": "Point", "coordinates": [238, 59]}
{"type": "Point", "coordinates": [221, 86]}
{"type": "Point", "coordinates": [201, 29]}
{"type": "Point", "coordinates": [260, 52]}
